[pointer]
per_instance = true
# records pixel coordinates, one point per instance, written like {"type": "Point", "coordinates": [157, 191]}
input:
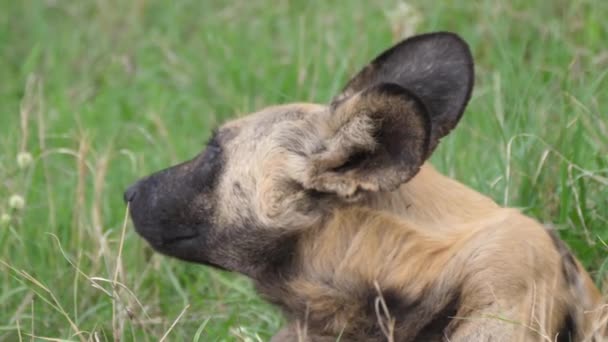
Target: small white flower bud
{"type": "Point", "coordinates": [5, 219]}
{"type": "Point", "coordinates": [24, 159]}
{"type": "Point", "coordinates": [16, 202]}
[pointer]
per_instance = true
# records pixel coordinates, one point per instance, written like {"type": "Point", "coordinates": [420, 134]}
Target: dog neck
{"type": "Point", "coordinates": [432, 199]}
{"type": "Point", "coordinates": [361, 254]}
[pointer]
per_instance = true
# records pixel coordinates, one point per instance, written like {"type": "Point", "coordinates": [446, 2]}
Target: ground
{"type": "Point", "coordinates": [99, 93]}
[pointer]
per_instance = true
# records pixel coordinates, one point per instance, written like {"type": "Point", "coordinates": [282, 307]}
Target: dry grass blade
{"type": "Point", "coordinates": [117, 323]}
{"type": "Point", "coordinates": [174, 323]}
{"type": "Point", "coordinates": [385, 320]}
{"type": "Point", "coordinates": [55, 303]}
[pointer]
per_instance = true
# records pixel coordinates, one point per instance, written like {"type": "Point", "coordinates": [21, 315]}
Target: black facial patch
{"type": "Point", "coordinates": [266, 255]}
{"type": "Point", "coordinates": [275, 254]}
{"type": "Point", "coordinates": [174, 209]}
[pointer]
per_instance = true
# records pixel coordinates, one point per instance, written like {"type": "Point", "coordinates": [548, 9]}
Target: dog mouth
{"type": "Point", "coordinates": [179, 233]}
{"type": "Point", "coordinates": [161, 239]}
{"type": "Point", "coordinates": [177, 239]}
{"type": "Point", "coordinates": [187, 248]}
{"type": "Point", "coordinates": [186, 245]}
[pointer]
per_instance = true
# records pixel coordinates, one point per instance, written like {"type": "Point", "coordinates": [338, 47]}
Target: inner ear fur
{"type": "Point", "coordinates": [376, 140]}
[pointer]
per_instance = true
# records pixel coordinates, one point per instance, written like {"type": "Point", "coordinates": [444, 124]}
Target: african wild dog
{"type": "Point", "coordinates": [334, 214]}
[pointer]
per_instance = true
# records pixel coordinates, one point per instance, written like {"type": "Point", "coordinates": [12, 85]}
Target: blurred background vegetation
{"type": "Point", "coordinates": [99, 93]}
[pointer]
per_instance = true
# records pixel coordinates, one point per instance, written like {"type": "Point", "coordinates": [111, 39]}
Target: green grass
{"type": "Point", "coordinates": [103, 92]}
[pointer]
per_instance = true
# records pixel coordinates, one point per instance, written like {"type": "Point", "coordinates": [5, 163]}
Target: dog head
{"type": "Point", "coordinates": [261, 179]}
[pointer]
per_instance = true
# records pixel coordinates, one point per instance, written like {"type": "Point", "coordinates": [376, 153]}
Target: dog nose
{"type": "Point", "coordinates": [131, 192]}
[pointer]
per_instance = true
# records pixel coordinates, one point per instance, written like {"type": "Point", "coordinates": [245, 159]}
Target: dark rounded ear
{"type": "Point", "coordinates": [379, 139]}
{"type": "Point", "coordinates": [436, 67]}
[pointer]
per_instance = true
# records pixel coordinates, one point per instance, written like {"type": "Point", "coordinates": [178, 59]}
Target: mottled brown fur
{"type": "Point", "coordinates": [334, 214]}
{"type": "Point", "coordinates": [504, 267]}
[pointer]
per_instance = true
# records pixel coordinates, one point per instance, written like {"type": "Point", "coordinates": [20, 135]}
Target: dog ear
{"type": "Point", "coordinates": [436, 67]}
{"type": "Point", "coordinates": [375, 140]}
{"type": "Point", "coordinates": [388, 119]}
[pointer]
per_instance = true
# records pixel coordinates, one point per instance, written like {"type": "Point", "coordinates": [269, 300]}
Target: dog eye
{"type": "Point", "coordinates": [213, 143]}
{"type": "Point", "coordinates": [212, 151]}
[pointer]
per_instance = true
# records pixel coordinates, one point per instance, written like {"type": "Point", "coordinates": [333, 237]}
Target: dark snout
{"type": "Point", "coordinates": [173, 209]}
{"type": "Point", "coordinates": [162, 210]}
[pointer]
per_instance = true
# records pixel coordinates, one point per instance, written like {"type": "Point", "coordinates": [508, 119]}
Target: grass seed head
{"type": "Point", "coordinates": [16, 202]}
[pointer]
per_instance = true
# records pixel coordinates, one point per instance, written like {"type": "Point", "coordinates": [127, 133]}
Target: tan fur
{"type": "Point", "coordinates": [433, 199]}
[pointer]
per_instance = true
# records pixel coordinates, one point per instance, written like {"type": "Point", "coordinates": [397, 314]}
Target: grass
{"type": "Point", "coordinates": [103, 92]}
